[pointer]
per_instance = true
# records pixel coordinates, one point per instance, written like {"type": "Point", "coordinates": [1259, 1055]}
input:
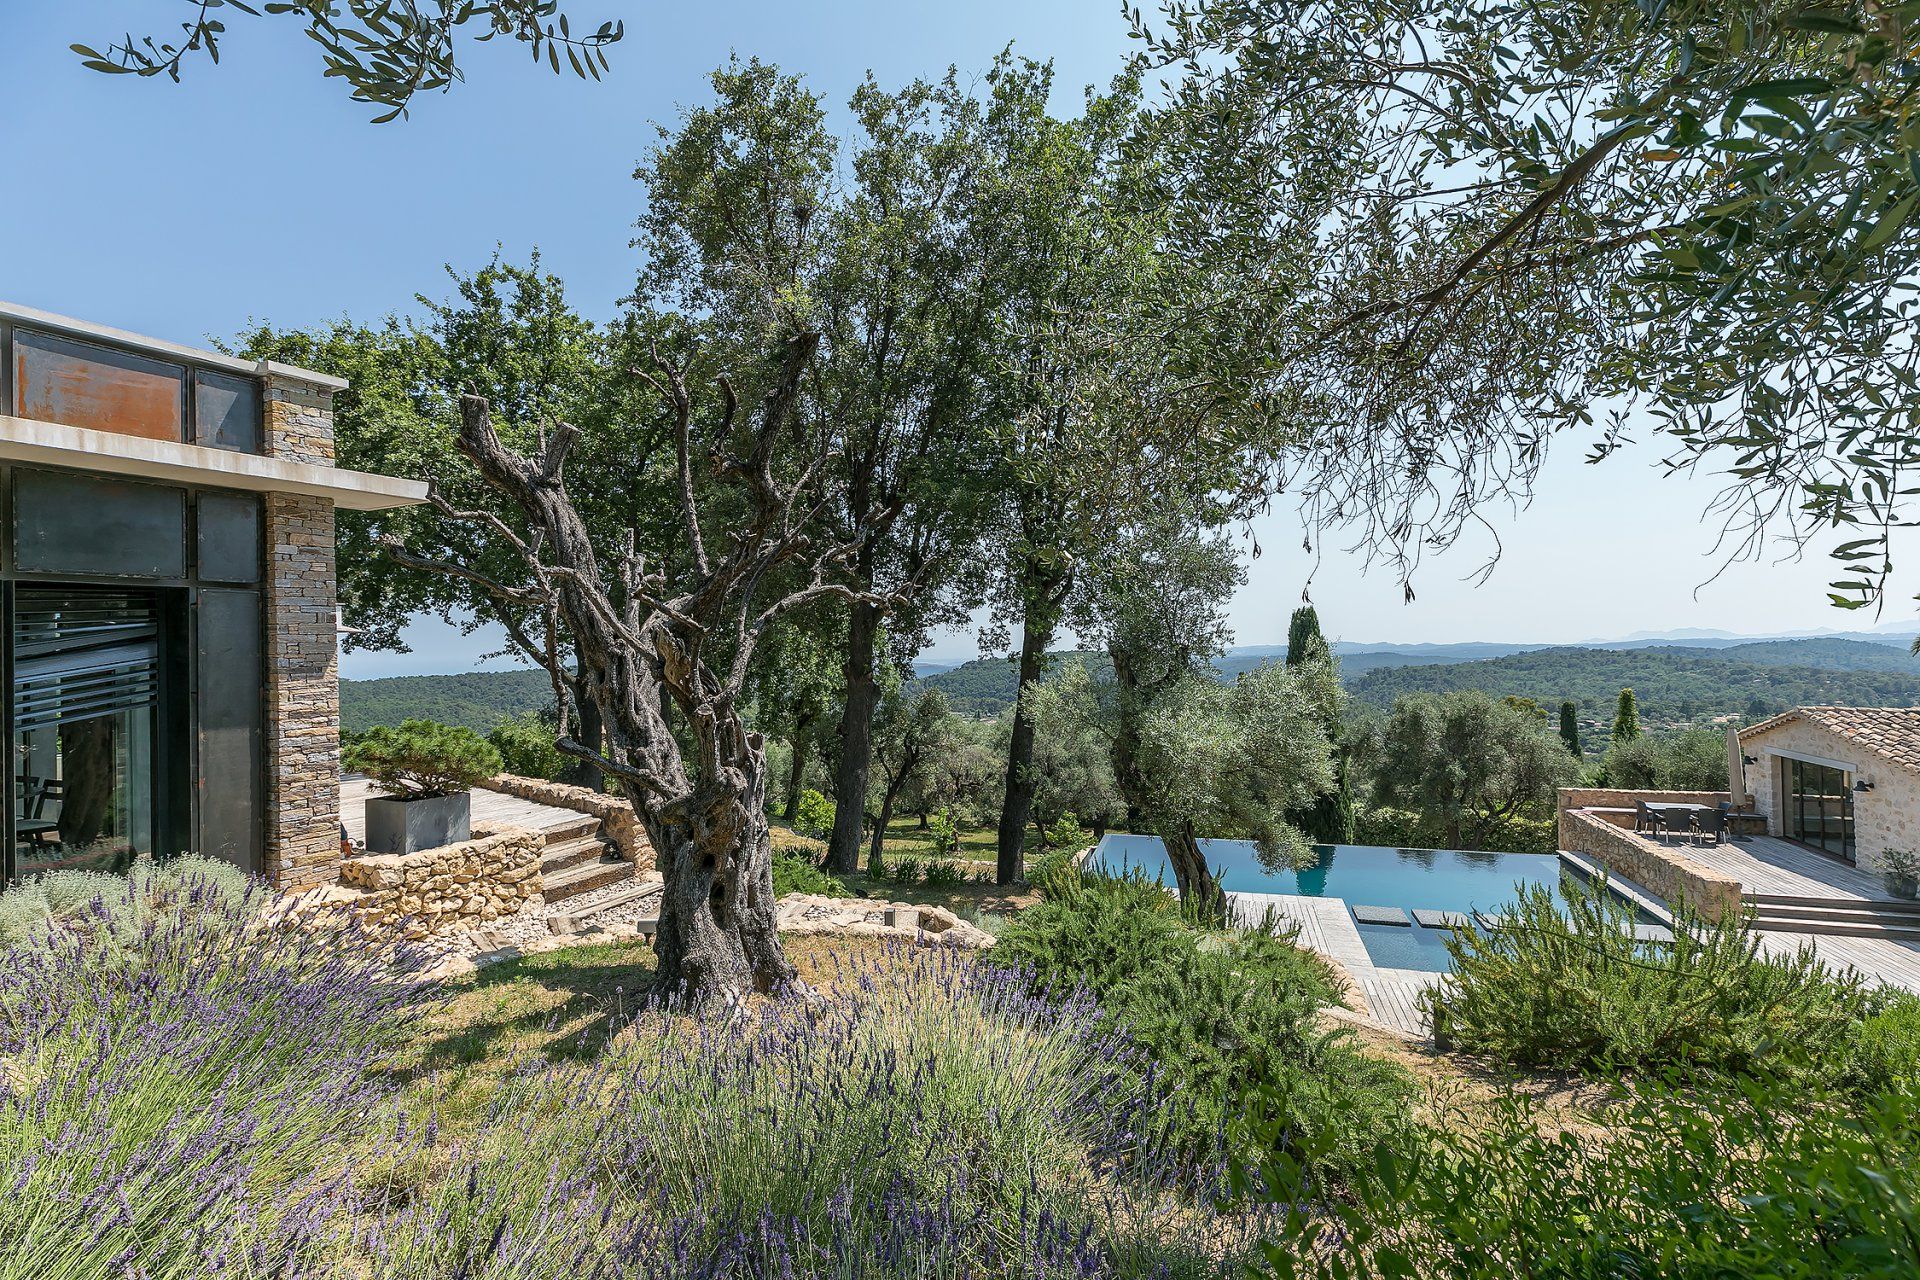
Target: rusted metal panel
{"type": "Point", "coordinates": [78, 384]}
{"type": "Point", "coordinates": [226, 412]}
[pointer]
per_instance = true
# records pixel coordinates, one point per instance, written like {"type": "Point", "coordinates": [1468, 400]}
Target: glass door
{"type": "Point", "coordinates": [1819, 808]}
{"type": "Point", "coordinates": [85, 701]}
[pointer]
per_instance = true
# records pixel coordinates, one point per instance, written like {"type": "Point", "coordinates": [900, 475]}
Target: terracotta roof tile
{"type": "Point", "coordinates": [1892, 733]}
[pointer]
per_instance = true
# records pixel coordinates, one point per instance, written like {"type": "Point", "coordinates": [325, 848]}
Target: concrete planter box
{"type": "Point", "coordinates": [397, 824]}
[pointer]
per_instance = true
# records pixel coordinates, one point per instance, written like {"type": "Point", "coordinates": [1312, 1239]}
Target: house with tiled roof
{"type": "Point", "coordinates": [1843, 781]}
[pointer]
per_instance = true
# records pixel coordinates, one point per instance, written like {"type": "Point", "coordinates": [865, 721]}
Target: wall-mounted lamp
{"type": "Point", "coordinates": [1749, 759]}
{"type": "Point", "coordinates": [1863, 785]}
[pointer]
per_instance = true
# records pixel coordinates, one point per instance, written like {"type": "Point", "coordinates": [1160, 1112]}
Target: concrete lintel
{"type": "Point", "coordinates": [34, 318]}
{"type": "Point", "coordinates": [48, 444]}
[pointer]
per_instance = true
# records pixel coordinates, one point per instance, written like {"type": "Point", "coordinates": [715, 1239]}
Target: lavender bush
{"type": "Point", "coordinates": [930, 1118]}
{"type": "Point", "coordinates": [180, 1082]}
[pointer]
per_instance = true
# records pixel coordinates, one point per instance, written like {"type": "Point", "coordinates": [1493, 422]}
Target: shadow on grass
{"type": "Point", "coordinates": [563, 1006]}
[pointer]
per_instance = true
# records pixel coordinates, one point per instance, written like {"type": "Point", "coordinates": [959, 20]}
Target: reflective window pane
{"type": "Point", "coordinates": [85, 696]}
{"type": "Point", "coordinates": [226, 412]}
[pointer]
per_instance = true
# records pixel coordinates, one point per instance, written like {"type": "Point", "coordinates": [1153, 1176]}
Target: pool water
{"type": "Point", "coordinates": [1364, 875]}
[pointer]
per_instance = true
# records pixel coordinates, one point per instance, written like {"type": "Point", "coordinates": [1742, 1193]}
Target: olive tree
{"type": "Point", "coordinates": [664, 644]}
{"type": "Point", "coordinates": [1521, 213]}
{"type": "Point", "coordinates": [387, 51]}
{"type": "Point", "coordinates": [1468, 761]}
{"type": "Point", "coordinates": [1232, 760]}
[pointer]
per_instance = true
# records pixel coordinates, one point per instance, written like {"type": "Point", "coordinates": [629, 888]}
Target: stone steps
{"type": "Point", "coordinates": [584, 878]}
{"type": "Point", "coordinates": [565, 855]}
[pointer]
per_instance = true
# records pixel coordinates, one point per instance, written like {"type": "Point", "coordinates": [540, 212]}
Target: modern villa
{"type": "Point", "coordinates": [168, 644]}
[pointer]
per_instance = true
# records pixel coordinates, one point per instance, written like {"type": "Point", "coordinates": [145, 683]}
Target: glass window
{"type": "Point", "coordinates": [86, 686]}
{"type": "Point", "coordinates": [226, 412]}
{"type": "Point", "coordinates": [1819, 808]}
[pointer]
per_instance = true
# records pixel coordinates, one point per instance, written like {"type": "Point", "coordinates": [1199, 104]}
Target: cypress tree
{"type": "Point", "coordinates": [1303, 636]}
{"type": "Point", "coordinates": [1626, 718]}
{"type": "Point", "coordinates": [1570, 728]}
{"type": "Point", "coordinates": [1331, 818]}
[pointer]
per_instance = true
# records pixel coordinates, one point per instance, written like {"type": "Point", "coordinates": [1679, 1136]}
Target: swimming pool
{"type": "Point", "coordinates": [1364, 875]}
{"type": "Point", "coordinates": [1368, 876]}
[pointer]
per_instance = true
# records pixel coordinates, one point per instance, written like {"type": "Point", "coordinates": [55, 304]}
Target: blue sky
{"type": "Point", "coordinates": [256, 190]}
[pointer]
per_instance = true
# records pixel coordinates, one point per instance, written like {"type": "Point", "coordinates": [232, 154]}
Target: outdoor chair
{"type": "Point", "coordinates": [1713, 822]}
{"type": "Point", "coordinates": [1644, 818]}
{"type": "Point", "coordinates": [1678, 822]}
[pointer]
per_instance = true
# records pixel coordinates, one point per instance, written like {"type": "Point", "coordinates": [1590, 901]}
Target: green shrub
{"type": "Point", "coordinates": [1405, 829]}
{"type": "Point", "coordinates": [942, 873]}
{"type": "Point", "coordinates": [526, 748]}
{"type": "Point", "coordinates": [943, 833]}
{"type": "Point", "coordinates": [422, 758]}
{"type": "Point", "coordinates": [1066, 835]}
{"type": "Point", "coordinates": [906, 871]}
{"type": "Point", "coordinates": [1220, 1013]}
{"type": "Point", "coordinates": [1562, 983]}
{"type": "Point", "coordinates": [814, 816]}
{"type": "Point", "coordinates": [794, 872]}
{"type": "Point", "coordinates": [1885, 1054]}
{"type": "Point", "coordinates": [1763, 1179]}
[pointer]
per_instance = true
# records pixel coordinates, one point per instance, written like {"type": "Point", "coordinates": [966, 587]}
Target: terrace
{"type": "Point", "coordinates": [1794, 896]}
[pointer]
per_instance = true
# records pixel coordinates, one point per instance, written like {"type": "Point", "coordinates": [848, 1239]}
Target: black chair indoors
{"type": "Point", "coordinates": [39, 820]}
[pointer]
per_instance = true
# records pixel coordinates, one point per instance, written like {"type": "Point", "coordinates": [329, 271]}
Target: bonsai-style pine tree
{"type": "Point", "coordinates": [1570, 728]}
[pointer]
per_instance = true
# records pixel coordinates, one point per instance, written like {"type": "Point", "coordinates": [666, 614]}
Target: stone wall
{"type": "Point", "coordinates": [1887, 817]}
{"type": "Point", "coordinates": [618, 822]}
{"type": "Point", "coordinates": [303, 688]}
{"type": "Point", "coordinates": [455, 887]}
{"type": "Point", "coordinates": [805, 914]}
{"type": "Point", "coordinates": [1619, 804]}
{"type": "Point", "coordinates": [1667, 872]}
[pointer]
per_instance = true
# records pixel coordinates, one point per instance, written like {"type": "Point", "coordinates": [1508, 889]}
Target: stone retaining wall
{"type": "Point", "coordinates": [618, 822]}
{"type": "Point", "coordinates": [1668, 872]}
{"type": "Point", "coordinates": [445, 890]}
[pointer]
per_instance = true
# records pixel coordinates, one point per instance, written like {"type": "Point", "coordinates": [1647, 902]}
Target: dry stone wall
{"type": "Point", "coordinates": [456, 887]}
{"type": "Point", "coordinates": [1668, 872]}
{"type": "Point", "coordinates": [811, 913]}
{"type": "Point", "coordinates": [618, 822]}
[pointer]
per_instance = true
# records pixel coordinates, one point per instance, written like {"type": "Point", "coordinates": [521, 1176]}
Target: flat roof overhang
{"type": "Point", "coordinates": [48, 444]}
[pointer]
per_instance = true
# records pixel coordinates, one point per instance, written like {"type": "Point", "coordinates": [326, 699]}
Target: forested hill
{"type": "Point", "coordinates": [478, 700]}
{"type": "Point", "coordinates": [1671, 683]}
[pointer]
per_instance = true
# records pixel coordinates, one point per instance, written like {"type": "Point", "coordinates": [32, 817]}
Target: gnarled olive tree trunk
{"type": "Point", "coordinates": [645, 655]}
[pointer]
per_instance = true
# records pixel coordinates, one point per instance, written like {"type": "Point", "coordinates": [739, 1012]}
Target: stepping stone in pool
{"type": "Point", "coordinates": [1427, 919]}
{"type": "Point", "coordinates": [1380, 915]}
{"type": "Point", "coordinates": [1652, 933]}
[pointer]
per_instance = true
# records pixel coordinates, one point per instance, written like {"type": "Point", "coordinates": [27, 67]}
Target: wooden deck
{"type": "Point", "coordinates": [492, 807]}
{"type": "Point", "coordinates": [1326, 926]}
{"type": "Point", "coordinates": [1770, 865]}
{"type": "Point", "coordinates": [1879, 960]}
